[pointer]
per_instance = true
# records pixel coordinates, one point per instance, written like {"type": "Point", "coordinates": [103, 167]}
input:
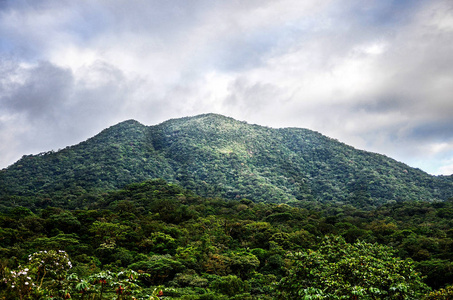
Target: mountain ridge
{"type": "Point", "coordinates": [218, 156]}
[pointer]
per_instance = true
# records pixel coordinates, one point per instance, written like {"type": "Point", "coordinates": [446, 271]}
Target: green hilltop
{"type": "Point", "coordinates": [217, 156]}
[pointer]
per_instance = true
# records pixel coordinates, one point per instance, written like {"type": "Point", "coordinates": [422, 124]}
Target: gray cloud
{"type": "Point", "coordinates": [41, 93]}
{"type": "Point", "coordinates": [46, 107]}
{"type": "Point", "coordinates": [376, 75]}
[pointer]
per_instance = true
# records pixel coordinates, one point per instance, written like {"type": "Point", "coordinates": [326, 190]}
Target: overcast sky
{"type": "Point", "coordinates": [377, 75]}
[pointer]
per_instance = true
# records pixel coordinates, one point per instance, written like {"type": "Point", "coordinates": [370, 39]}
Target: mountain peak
{"type": "Point", "coordinates": [130, 122]}
{"type": "Point", "coordinates": [207, 118]}
{"type": "Point", "coordinates": [122, 132]}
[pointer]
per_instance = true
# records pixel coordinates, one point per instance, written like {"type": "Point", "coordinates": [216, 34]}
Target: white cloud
{"type": "Point", "coordinates": [447, 169]}
{"type": "Point", "coordinates": [376, 75]}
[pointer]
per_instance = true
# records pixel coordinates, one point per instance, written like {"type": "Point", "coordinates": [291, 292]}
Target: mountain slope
{"type": "Point", "coordinates": [219, 156]}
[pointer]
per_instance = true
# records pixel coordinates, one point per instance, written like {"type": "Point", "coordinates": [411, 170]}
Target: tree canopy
{"type": "Point", "coordinates": [154, 237]}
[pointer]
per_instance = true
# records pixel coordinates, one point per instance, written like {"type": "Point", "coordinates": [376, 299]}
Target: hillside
{"type": "Point", "coordinates": [216, 156]}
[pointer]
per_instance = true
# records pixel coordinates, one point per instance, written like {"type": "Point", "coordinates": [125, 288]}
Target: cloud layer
{"type": "Point", "coordinates": [374, 74]}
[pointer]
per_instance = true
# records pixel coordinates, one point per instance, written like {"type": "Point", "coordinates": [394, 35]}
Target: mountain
{"type": "Point", "coordinates": [217, 156]}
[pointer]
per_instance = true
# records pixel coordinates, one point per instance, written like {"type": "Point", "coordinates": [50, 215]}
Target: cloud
{"type": "Point", "coordinates": [447, 167]}
{"type": "Point", "coordinates": [48, 106]}
{"type": "Point", "coordinates": [376, 75]}
{"type": "Point", "coordinates": [41, 91]}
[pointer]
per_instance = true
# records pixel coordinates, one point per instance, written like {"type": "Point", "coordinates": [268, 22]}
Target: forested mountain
{"type": "Point", "coordinates": [98, 221]}
{"type": "Point", "coordinates": [217, 156]}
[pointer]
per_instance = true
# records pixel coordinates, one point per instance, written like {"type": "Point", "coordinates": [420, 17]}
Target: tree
{"type": "Point", "coordinates": [41, 275]}
{"type": "Point", "coordinates": [338, 270]}
{"type": "Point", "coordinates": [108, 234]}
{"type": "Point", "coordinates": [160, 268]}
{"type": "Point", "coordinates": [441, 294]}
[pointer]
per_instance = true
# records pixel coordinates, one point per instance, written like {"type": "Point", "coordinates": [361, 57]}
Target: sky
{"type": "Point", "coordinates": [377, 75]}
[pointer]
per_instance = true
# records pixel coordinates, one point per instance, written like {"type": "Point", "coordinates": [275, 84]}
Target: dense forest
{"type": "Point", "coordinates": [216, 156]}
{"type": "Point", "coordinates": [208, 207]}
{"type": "Point", "coordinates": [156, 240]}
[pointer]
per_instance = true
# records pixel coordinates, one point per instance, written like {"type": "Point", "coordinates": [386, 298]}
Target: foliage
{"type": "Point", "coordinates": [45, 277]}
{"type": "Point", "coordinates": [216, 156]}
{"type": "Point", "coordinates": [338, 270]}
{"type": "Point", "coordinates": [441, 294]}
{"type": "Point", "coordinates": [285, 213]}
{"type": "Point", "coordinates": [189, 247]}
{"type": "Point", "coordinates": [41, 276]}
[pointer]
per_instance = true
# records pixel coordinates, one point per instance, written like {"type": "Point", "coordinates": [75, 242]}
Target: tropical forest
{"type": "Point", "coordinates": [208, 207]}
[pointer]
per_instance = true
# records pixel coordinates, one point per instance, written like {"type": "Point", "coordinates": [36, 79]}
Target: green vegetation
{"type": "Point", "coordinates": [240, 212]}
{"type": "Point", "coordinates": [338, 270]}
{"type": "Point", "coordinates": [216, 156]}
{"type": "Point", "coordinates": [154, 238]}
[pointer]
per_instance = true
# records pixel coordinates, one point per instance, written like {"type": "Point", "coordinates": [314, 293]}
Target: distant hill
{"type": "Point", "coordinates": [217, 156]}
